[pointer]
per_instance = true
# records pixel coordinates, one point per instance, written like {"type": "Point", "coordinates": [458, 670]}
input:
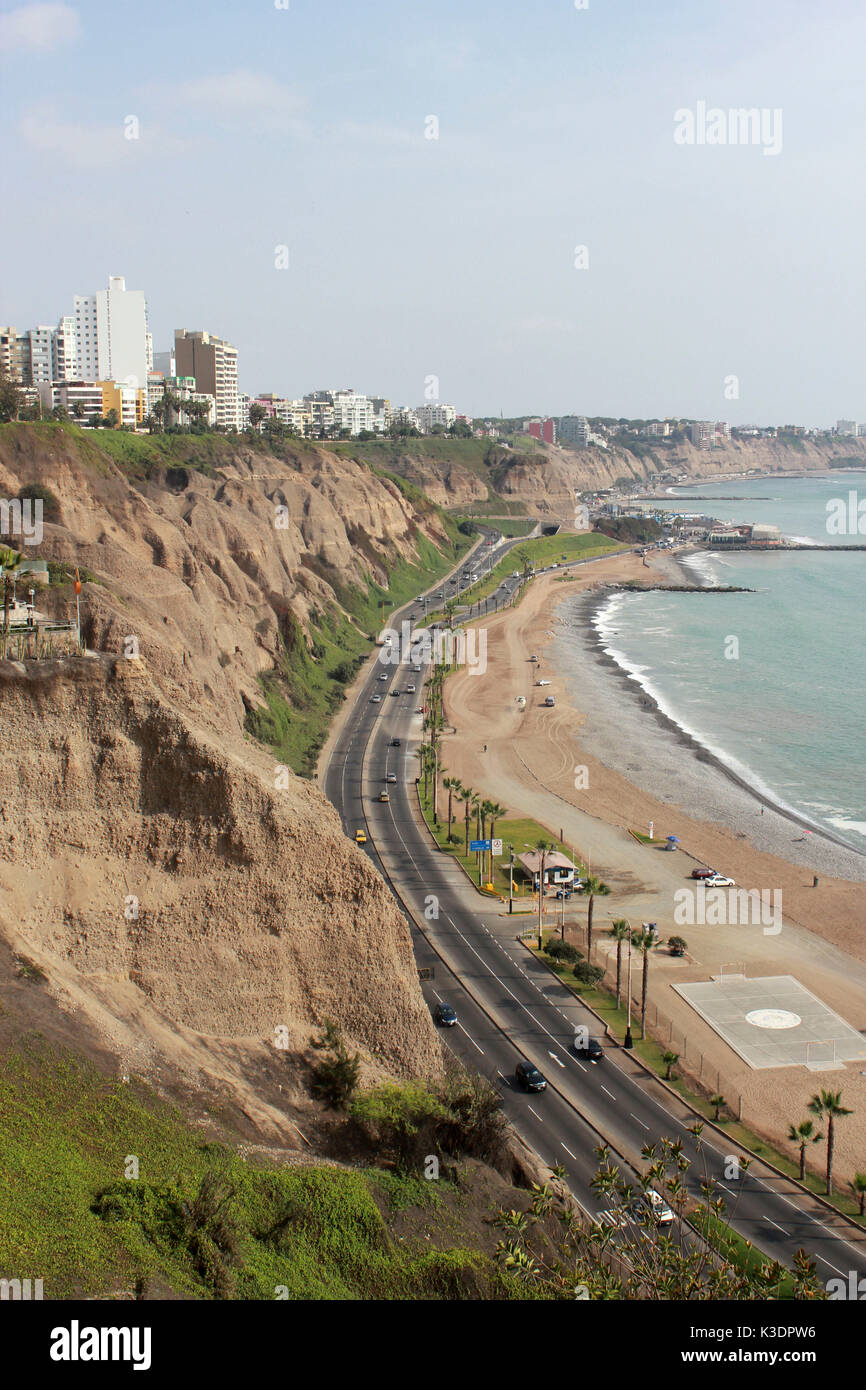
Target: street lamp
{"type": "Point", "coordinates": [628, 1042]}
{"type": "Point", "coordinates": [511, 879]}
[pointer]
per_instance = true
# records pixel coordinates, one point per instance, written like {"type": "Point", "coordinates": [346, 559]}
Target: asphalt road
{"type": "Point", "coordinates": [510, 1006]}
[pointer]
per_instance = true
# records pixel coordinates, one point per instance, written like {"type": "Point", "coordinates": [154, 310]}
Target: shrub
{"type": "Point", "coordinates": [587, 974]}
{"type": "Point", "coordinates": [400, 1120]}
{"type": "Point", "coordinates": [335, 1078]}
{"type": "Point", "coordinates": [563, 950]}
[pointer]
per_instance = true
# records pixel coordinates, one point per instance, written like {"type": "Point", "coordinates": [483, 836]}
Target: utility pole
{"type": "Point", "coordinates": [628, 1042]}
{"type": "Point", "coordinates": [511, 879]}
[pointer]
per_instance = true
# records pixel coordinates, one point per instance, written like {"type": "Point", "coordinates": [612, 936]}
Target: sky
{"type": "Point", "coordinates": [507, 203]}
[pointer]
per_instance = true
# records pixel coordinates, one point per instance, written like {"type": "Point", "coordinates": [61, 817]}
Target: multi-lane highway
{"type": "Point", "coordinates": [510, 1006]}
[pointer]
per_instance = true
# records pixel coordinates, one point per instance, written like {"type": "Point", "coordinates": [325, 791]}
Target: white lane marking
{"type": "Point", "coordinates": [568, 1151]}
{"type": "Point", "coordinates": [640, 1122]}
{"type": "Point", "coordinates": [777, 1226]}
{"type": "Point", "coordinates": [610, 1093]}
{"type": "Point", "coordinates": [536, 1114]}
{"type": "Point", "coordinates": [471, 1039]}
{"type": "Point", "coordinates": [556, 1059]}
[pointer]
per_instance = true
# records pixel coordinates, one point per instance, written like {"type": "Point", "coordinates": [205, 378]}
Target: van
{"type": "Point", "coordinates": [549, 701]}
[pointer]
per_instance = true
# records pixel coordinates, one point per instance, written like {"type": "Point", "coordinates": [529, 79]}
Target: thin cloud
{"type": "Point", "coordinates": [239, 91]}
{"type": "Point", "coordinates": [38, 28]}
{"type": "Point", "coordinates": [88, 146]}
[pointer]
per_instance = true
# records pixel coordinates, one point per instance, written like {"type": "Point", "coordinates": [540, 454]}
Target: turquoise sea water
{"type": "Point", "coordinates": [783, 703]}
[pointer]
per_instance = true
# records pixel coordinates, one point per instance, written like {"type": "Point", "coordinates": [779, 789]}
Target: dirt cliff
{"type": "Point", "coordinates": [132, 779]}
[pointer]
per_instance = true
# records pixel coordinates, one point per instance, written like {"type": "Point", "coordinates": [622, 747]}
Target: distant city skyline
{"type": "Point", "coordinates": [529, 205]}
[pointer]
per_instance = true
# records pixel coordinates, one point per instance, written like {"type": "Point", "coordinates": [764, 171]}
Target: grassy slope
{"type": "Point", "coordinates": [321, 1232]}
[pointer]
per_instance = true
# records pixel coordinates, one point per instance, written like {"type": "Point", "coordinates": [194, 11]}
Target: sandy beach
{"type": "Point", "coordinates": [604, 760]}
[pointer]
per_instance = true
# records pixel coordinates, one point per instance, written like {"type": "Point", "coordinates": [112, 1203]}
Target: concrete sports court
{"type": "Point", "coordinates": [773, 1021]}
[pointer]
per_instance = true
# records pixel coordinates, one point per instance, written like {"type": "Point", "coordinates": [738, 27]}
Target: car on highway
{"type": "Point", "coordinates": [702, 873]}
{"type": "Point", "coordinates": [360, 837]}
{"type": "Point", "coordinates": [416, 668]}
{"type": "Point", "coordinates": [410, 690]}
{"type": "Point", "coordinates": [390, 777]}
{"type": "Point", "coordinates": [420, 598]}
{"type": "Point", "coordinates": [655, 1205]}
{"type": "Point", "coordinates": [395, 691]}
{"type": "Point", "coordinates": [395, 743]}
{"type": "Point", "coordinates": [383, 676]}
{"type": "Point", "coordinates": [529, 1077]}
{"type": "Point", "coordinates": [719, 881]}
{"type": "Point", "coordinates": [375, 699]}
{"type": "Point", "coordinates": [445, 1015]}
{"type": "Point", "coordinates": [590, 1048]}
{"type": "Point", "coordinates": [383, 796]}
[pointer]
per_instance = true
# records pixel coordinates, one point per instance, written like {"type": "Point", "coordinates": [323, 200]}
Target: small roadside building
{"type": "Point", "coordinates": [558, 870]}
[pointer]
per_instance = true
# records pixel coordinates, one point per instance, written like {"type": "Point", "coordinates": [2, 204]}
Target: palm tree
{"type": "Point", "coordinates": [78, 410]}
{"type": "Point", "coordinates": [496, 813]}
{"type": "Point", "coordinates": [718, 1103]}
{"type": "Point", "coordinates": [859, 1187]}
{"type": "Point", "coordinates": [670, 1060]}
{"type": "Point", "coordinates": [644, 940]}
{"type": "Point", "coordinates": [451, 785]}
{"type": "Point", "coordinates": [828, 1104]}
{"type": "Point", "coordinates": [592, 885]}
{"type": "Point", "coordinates": [620, 932]}
{"type": "Point", "coordinates": [544, 847]}
{"type": "Point", "coordinates": [801, 1135]}
{"type": "Point", "coordinates": [467, 796]}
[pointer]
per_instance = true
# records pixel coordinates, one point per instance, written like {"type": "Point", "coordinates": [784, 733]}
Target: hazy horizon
{"type": "Point", "coordinates": [306, 128]}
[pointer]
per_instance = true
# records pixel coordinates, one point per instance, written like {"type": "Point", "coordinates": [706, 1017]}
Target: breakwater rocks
{"type": "Point", "coordinates": [632, 586]}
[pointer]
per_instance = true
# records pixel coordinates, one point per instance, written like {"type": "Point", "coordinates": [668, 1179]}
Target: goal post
{"type": "Point", "coordinates": [731, 970]}
{"type": "Point", "coordinates": [821, 1054]}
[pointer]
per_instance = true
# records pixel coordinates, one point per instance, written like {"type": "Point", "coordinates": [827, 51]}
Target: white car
{"type": "Point", "coordinates": [718, 881]}
{"type": "Point", "coordinates": [416, 668]}
{"type": "Point", "coordinates": [375, 699]}
{"type": "Point", "coordinates": [542, 682]}
{"type": "Point", "coordinates": [391, 777]}
{"type": "Point", "coordinates": [383, 676]}
{"type": "Point", "coordinates": [410, 690]}
{"type": "Point", "coordinates": [655, 1204]}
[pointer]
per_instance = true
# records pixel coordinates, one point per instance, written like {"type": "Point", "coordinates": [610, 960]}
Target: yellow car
{"type": "Point", "coordinates": [360, 837]}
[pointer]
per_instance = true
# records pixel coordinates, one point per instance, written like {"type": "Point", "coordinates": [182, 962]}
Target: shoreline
{"type": "Point", "coordinates": [586, 608]}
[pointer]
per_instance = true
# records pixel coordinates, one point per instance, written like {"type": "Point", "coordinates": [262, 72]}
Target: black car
{"type": "Point", "coordinates": [445, 1015]}
{"type": "Point", "coordinates": [395, 743]}
{"type": "Point", "coordinates": [529, 1077]}
{"type": "Point", "coordinates": [590, 1048]}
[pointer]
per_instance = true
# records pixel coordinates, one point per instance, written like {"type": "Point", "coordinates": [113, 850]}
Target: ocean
{"type": "Point", "coordinates": [772, 682]}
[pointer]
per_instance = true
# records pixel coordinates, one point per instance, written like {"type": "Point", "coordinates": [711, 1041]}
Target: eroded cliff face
{"type": "Point", "coordinates": [133, 779]}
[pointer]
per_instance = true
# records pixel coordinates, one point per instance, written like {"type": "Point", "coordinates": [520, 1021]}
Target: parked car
{"type": "Point", "coordinates": [533, 658]}
{"type": "Point", "coordinates": [391, 777]}
{"type": "Point", "coordinates": [542, 682]}
{"type": "Point", "coordinates": [383, 796]}
{"type": "Point", "coordinates": [702, 873]}
{"type": "Point", "coordinates": [563, 893]}
{"type": "Point", "coordinates": [549, 701]}
{"type": "Point", "coordinates": [719, 881]}
{"type": "Point", "coordinates": [529, 1077]}
{"type": "Point", "coordinates": [445, 1015]}
{"type": "Point", "coordinates": [654, 1203]}
{"type": "Point", "coordinates": [360, 837]}
{"type": "Point", "coordinates": [591, 1049]}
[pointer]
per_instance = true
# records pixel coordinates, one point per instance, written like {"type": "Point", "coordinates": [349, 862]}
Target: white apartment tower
{"type": "Point", "coordinates": [111, 338]}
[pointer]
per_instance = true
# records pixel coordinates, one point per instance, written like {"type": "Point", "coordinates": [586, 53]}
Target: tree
{"type": "Point", "coordinates": [257, 414]}
{"type": "Point", "coordinates": [859, 1188]}
{"type": "Point", "coordinates": [335, 1078]}
{"type": "Point", "coordinates": [620, 932]}
{"type": "Point", "coordinates": [544, 848]}
{"type": "Point", "coordinates": [451, 785]}
{"type": "Point", "coordinates": [718, 1103]}
{"type": "Point", "coordinates": [111, 420]}
{"type": "Point", "coordinates": [828, 1105]}
{"type": "Point", "coordinates": [467, 796]}
{"type": "Point", "coordinates": [801, 1135]}
{"type": "Point", "coordinates": [670, 1060]}
{"type": "Point", "coordinates": [592, 886]}
{"type": "Point", "coordinates": [11, 399]}
{"type": "Point", "coordinates": [78, 410]}
{"type": "Point", "coordinates": [644, 939]}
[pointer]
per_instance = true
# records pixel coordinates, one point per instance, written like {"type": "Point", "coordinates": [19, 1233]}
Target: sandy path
{"type": "Point", "coordinates": [531, 765]}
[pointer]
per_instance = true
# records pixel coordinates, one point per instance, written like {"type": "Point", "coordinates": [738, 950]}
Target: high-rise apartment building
{"type": "Point", "coordinates": [574, 429]}
{"type": "Point", "coordinates": [214, 364]}
{"type": "Point", "coordinates": [111, 338]}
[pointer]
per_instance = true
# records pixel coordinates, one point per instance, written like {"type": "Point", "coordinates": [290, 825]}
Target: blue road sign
{"type": "Point", "coordinates": [479, 844]}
